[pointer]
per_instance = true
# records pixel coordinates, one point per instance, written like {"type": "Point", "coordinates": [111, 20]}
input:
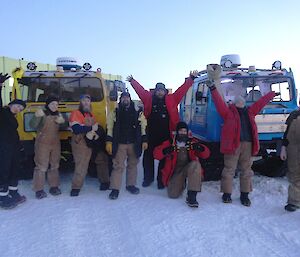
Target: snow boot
{"type": "Point", "coordinates": [245, 199]}
{"type": "Point", "coordinates": [291, 207]}
{"type": "Point", "coordinates": [114, 194]}
{"type": "Point", "coordinates": [6, 202]}
{"type": "Point", "coordinates": [191, 199]}
{"type": "Point", "coordinates": [40, 194]}
{"type": "Point", "coordinates": [74, 192]}
{"type": "Point", "coordinates": [133, 190]}
{"type": "Point", "coordinates": [226, 198]}
{"type": "Point", "coordinates": [160, 185]}
{"type": "Point", "coordinates": [54, 191]}
{"type": "Point", "coordinates": [104, 186]}
{"type": "Point", "coordinates": [147, 183]}
{"type": "Point", "coordinates": [14, 194]}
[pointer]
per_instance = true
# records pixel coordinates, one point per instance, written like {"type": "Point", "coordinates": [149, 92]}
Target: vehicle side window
{"type": "Point", "coordinates": [188, 97]}
{"type": "Point", "coordinates": [284, 90]}
{"type": "Point", "coordinates": [201, 94]}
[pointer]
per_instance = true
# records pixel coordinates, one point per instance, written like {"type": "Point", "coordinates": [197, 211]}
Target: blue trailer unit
{"type": "Point", "coordinates": [199, 111]}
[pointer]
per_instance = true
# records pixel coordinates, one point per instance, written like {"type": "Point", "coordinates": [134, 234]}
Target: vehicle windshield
{"type": "Point", "coordinates": [37, 89]}
{"type": "Point", "coordinates": [253, 88]}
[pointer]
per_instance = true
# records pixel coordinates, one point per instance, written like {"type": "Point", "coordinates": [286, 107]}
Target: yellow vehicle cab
{"type": "Point", "coordinates": [68, 82]}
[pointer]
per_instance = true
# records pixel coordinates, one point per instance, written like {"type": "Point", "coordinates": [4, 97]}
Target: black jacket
{"type": "Point", "coordinates": [8, 126]}
{"type": "Point", "coordinates": [137, 124]}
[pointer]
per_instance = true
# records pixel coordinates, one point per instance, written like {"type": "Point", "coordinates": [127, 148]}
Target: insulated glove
{"type": "Point", "coordinates": [95, 127]}
{"type": "Point", "coordinates": [39, 113]}
{"type": "Point", "coordinates": [197, 146]}
{"type": "Point", "coordinates": [213, 74]}
{"type": "Point", "coordinates": [90, 135]}
{"type": "Point", "coordinates": [194, 74]}
{"type": "Point", "coordinates": [169, 150]}
{"type": "Point", "coordinates": [108, 147]}
{"type": "Point", "coordinates": [4, 77]}
{"type": "Point", "coordinates": [60, 119]}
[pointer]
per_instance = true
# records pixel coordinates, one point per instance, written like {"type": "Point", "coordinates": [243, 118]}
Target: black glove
{"type": "Point", "coordinates": [169, 150]}
{"type": "Point", "coordinates": [197, 147]}
{"type": "Point", "coordinates": [3, 77]}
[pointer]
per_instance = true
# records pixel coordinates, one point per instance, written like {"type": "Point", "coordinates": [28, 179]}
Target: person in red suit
{"type": "Point", "coordinates": [182, 155]}
{"type": "Point", "coordinates": [239, 136]}
{"type": "Point", "coordinates": [161, 112]}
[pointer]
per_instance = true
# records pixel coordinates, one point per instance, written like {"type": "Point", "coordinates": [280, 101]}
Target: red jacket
{"type": "Point", "coordinates": [230, 135]}
{"type": "Point", "coordinates": [171, 159]}
{"type": "Point", "coordinates": [172, 100]}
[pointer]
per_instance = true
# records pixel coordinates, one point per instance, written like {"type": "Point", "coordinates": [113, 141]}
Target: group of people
{"type": "Point", "coordinates": [157, 131]}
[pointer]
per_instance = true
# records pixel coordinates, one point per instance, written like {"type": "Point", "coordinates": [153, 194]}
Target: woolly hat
{"type": "Point", "coordinates": [18, 101]}
{"type": "Point", "coordinates": [181, 125]}
{"type": "Point", "coordinates": [52, 98]}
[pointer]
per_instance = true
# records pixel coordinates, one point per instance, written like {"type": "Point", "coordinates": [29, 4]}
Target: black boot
{"type": "Point", "coordinates": [14, 194]}
{"type": "Point", "coordinates": [245, 199]}
{"type": "Point", "coordinates": [147, 183]}
{"type": "Point", "coordinates": [75, 192]}
{"type": "Point", "coordinates": [55, 191]}
{"type": "Point", "coordinates": [160, 185]}
{"type": "Point", "coordinates": [226, 198]}
{"type": "Point", "coordinates": [191, 199]}
{"type": "Point", "coordinates": [114, 194]}
{"type": "Point", "coordinates": [133, 190]}
{"type": "Point", "coordinates": [104, 186]}
{"type": "Point", "coordinates": [7, 202]}
{"type": "Point", "coordinates": [291, 207]}
{"type": "Point", "coordinates": [40, 194]}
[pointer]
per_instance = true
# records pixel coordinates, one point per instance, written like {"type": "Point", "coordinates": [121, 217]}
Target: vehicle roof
{"type": "Point", "coordinates": [66, 73]}
{"type": "Point", "coordinates": [244, 72]}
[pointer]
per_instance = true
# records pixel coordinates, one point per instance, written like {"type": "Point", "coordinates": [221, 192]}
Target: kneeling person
{"type": "Point", "coordinates": [182, 162]}
{"type": "Point", "coordinates": [47, 147]}
{"type": "Point", "coordinates": [126, 138]}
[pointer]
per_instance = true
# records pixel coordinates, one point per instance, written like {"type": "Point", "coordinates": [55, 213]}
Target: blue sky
{"type": "Point", "coordinates": [153, 40]}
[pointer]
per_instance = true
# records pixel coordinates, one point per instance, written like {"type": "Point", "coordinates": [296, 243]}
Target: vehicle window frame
{"type": "Point", "coordinates": [101, 98]}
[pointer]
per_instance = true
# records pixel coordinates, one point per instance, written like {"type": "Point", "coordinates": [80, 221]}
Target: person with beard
{"type": "Point", "coordinates": [126, 139]}
{"type": "Point", "coordinates": [47, 147]}
{"type": "Point", "coordinates": [9, 151]}
{"type": "Point", "coordinates": [182, 155]}
{"type": "Point", "coordinates": [81, 122]}
{"type": "Point", "coordinates": [239, 136]}
{"type": "Point", "coordinates": [161, 112]}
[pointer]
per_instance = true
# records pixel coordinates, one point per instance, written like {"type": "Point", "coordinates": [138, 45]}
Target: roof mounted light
{"type": "Point", "coordinates": [87, 66]}
{"type": "Point", "coordinates": [252, 68]}
{"type": "Point", "coordinates": [230, 61]}
{"type": "Point", "coordinates": [276, 65]}
{"type": "Point", "coordinates": [31, 66]}
{"type": "Point", "coordinates": [227, 64]}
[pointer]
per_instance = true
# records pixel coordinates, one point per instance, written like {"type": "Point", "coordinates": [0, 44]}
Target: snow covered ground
{"type": "Point", "coordinates": [150, 224]}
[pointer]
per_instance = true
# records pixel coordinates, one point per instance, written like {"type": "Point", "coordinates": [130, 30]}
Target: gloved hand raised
{"type": "Point", "coordinates": [194, 74]}
{"type": "Point", "coordinates": [3, 78]}
{"type": "Point", "coordinates": [213, 74]}
{"type": "Point", "coordinates": [129, 78]}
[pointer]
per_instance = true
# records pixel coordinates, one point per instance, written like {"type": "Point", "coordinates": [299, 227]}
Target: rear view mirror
{"type": "Point", "coordinates": [115, 87]}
